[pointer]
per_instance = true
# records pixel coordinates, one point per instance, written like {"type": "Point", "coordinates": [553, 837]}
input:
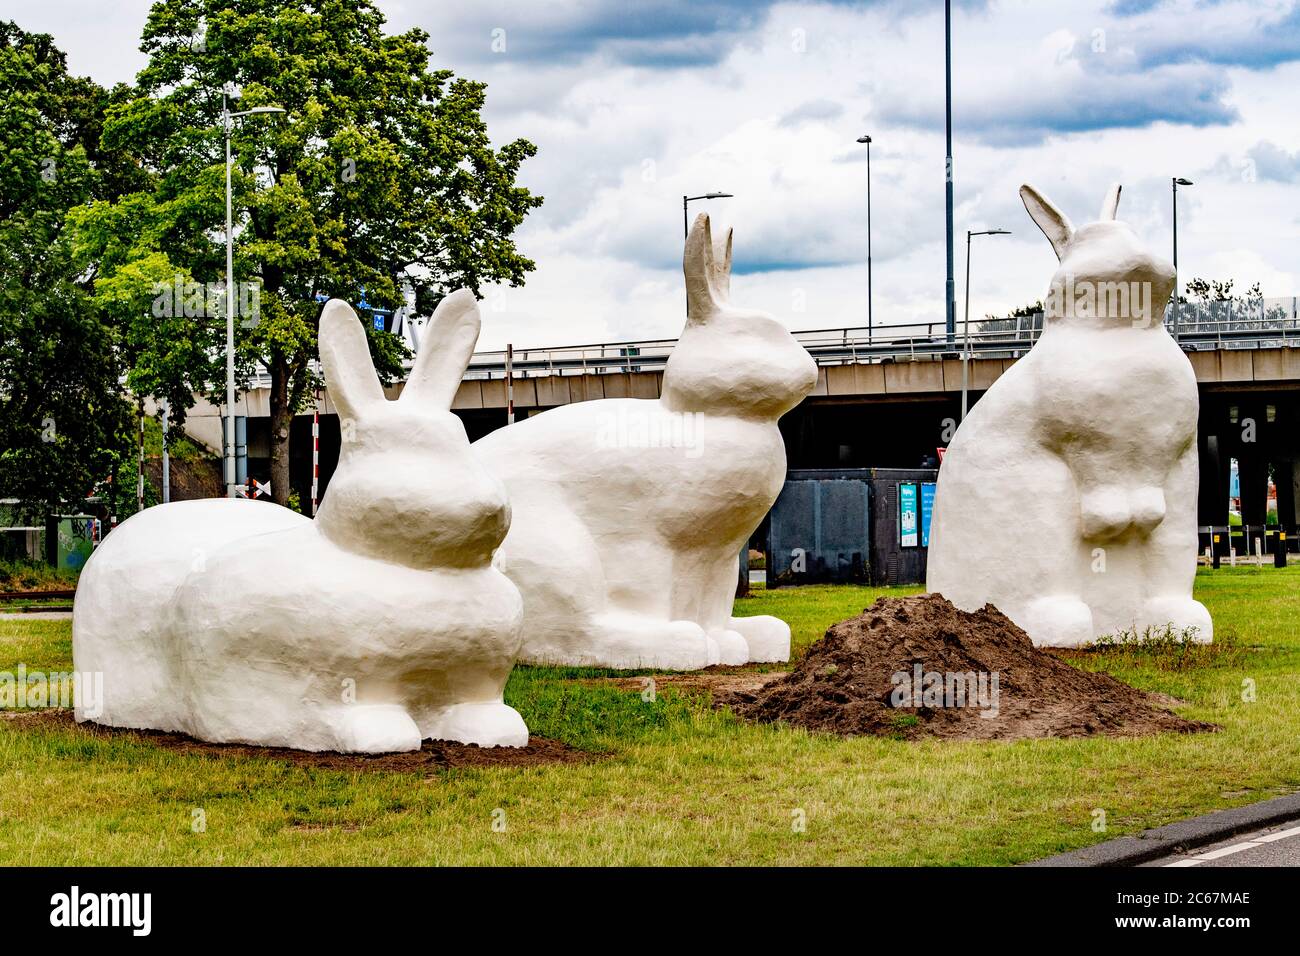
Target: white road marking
{"type": "Point", "coordinates": [1208, 855]}
{"type": "Point", "coordinates": [1280, 835]}
{"type": "Point", "coordinates": [1226, 850]}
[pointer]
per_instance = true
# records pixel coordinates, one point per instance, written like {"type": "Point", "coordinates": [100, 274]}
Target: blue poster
{"type": "Point", "coordinates": [907, 517]}
{"type": "Point", "coordinates": [927, 511]}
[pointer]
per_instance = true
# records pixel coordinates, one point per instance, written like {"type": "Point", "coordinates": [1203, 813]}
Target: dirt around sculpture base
{"type": "Point", "coordinates": [920, 667]}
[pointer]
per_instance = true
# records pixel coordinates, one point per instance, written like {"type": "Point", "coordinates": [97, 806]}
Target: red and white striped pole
{"type": "Point", "coordinates": [510, 384]}
{"type": "Point", "coordinates": [315, 455]}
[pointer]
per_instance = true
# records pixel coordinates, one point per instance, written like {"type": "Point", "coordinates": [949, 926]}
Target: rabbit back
{"type": "Point", "coordinates": [125, 598]}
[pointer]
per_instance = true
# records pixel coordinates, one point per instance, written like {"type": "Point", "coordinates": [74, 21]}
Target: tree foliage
{"type": "Point", "coordinates": [63, 422]}
{"type": "Point", "coordinates": [379, 181]}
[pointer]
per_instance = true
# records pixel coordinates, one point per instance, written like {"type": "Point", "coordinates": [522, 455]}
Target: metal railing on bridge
{"type": "Point", "coordinates": [1267, 323]}
{"type": "Point", "coordinates": [1262, 323]}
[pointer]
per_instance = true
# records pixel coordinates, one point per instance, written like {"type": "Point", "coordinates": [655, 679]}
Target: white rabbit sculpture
{"type": "Point", "coordinates": [377, 625]}
{"type": "Point", "coordinates": [629, 514]}
{"type": "Point", "coordinates": [1067, 498]}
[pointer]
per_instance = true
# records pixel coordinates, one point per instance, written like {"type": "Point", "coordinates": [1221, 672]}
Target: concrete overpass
{"type": "Point", "coordinates": [889, 398]}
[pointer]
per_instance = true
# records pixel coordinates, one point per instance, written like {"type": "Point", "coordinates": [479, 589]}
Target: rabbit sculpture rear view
{"type": "Point", "coordinates": [1068, 496]}
{"type": "Point", "coordinates": [629, 514]}
{"type": "Point", "coordinates": [378, 624]}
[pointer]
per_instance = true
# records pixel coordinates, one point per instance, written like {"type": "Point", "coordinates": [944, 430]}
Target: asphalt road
{"type": "Point", "coordinates": [1272, 846]}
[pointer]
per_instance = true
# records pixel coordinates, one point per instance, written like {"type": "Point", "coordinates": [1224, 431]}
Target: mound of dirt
{"type": "Point", "coordinates": [920, 667]}
{"type": "Point", "coordinates": [433, 755]}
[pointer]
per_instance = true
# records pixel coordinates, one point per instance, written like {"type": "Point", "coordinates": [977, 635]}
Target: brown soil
{"type": "Point", "coordinates": [433, 756]}
{"type": "Point", "coordinates": [845, 682]}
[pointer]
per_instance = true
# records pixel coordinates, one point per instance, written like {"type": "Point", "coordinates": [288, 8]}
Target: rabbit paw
{"type": "Point", "coordinates": [1180, 613]}
{"type": "Point", "coordinates": [376, 729]}
{"type": "Point", "coordinates": [767, 637]}
{"type": "Point", "coordinates": [1057, 622]}
{"type": "Point", "coordinates": [626, 641]}
{"type": "Point", "coordinates": [732, 646]}
{"type": "Point", "coordinates": [488, 724]}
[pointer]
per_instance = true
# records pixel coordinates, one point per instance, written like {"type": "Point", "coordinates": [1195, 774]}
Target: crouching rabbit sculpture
{"type": "Point", "coordinates": [629, 514]}
{"type": "Point", "coordinates": [378, 624]}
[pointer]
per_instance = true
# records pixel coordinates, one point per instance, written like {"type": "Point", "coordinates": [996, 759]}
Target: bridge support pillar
{"type": "Point", "coordinates": [1212, 501]}
{"type": "Point", "coordinates": [1286, 475]}
{"type": "Point", "coordinates": [1252, 471]}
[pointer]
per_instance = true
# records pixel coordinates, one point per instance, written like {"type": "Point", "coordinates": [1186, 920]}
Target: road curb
{"type": "Point", "coordinates": [1181, 836]}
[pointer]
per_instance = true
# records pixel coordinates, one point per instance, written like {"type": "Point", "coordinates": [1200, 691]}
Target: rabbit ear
{"type": "Point", "coordinates": [448, 345]}
{"type": "Point", "coordinates": [1056, 227]}
{"type": "Point", "coordinates": [1110, 205]}
{"type": "Point", "coordinates": [699, 265]}
{"type": "Point", "coordinates": [345, 356]}
{"type": "Point", "coordinates": [722, 268]}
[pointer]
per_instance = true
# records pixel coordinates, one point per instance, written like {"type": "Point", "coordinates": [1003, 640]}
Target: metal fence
{"type": "Point", "coordinates": [1261, 323]}
{"type": "Point", "coordinates": [1267, 323]}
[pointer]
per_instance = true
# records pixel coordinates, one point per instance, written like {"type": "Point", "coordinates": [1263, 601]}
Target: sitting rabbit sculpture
{"type": "Point", "coordinates": [378, 624]}
{"type": "Point", "coordinates": [629, 514]}
{"type": "Point", "coordinates": [1068, 496]}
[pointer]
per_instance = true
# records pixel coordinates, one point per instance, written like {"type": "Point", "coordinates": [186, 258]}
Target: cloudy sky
{"type": "Point", "coordinates": [633, 104]}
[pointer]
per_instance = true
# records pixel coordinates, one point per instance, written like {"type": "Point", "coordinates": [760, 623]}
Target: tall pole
{"type": "Point", "coordinates": [230, 315]}
{"type": "Point", "coordinates": [315, 456]}
{"type": "Point", "coordinates": [139, 482]}
{"type": "Point", "coordinates": [166, 458]}
{"type": "Point", "coordinates": [686, 226]}
{"type": "Point", "coordinates": [510, 384]}
{"type": "Point", "coordinates": [1174, 184]}
{"type": "Point", "coordinates": [951, 322]}
{"type": "Point", "coordinates": [870, 285]}
{"type": "Point", "coordinates": [965, 352]}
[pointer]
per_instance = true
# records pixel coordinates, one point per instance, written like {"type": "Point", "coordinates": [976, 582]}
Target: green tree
{"type": "Point", "coordinates": [379, 181]}
{"type": "Point", "coordinates": [63, 422]}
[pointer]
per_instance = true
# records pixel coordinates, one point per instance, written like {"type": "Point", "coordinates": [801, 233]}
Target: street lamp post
{"type": "Point", "coordinates": [950, 318]}
{"type": "Point", "coordinates": [866, 141]}
{"type": "Point", "coordinates": [965, 353]}
{"type": "Point", "coordinates": [1176, 182]}
{"type": "Point", "coordinates": [227, 122]}
{"type": "Point", "coordinates": [687, 200]}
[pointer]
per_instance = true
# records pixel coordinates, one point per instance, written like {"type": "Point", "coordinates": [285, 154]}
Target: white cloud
{"type": "Point", "coordinates": [630, 113]}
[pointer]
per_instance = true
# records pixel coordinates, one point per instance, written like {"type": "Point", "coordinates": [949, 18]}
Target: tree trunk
{"type": "Point", "coordinates": [281, 418]}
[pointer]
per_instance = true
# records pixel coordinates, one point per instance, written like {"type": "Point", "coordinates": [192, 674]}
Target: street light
{"type": "Point", "coordinates": [1176, 182]}
{"type": "Point", "coordinates": [866, 141]}
{"type": "Point", "coordinates": [965, 354]}
{"type": "Point", "coordinates": [687, 200]}
{"type": "Point", "coordinates": [227, 122]}
{"type": "Point", "coordinates": [950, 316]}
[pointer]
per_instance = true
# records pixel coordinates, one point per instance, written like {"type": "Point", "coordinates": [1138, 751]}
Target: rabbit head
{"type": "Point", "coordinates": [730, 359]}
{"type": "Point", "coordinates": [407, 489]}
{"type": "Point", "coordinates": [1106, 276]}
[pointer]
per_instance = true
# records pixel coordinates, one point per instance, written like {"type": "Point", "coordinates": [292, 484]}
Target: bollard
{"type": "Point", "coordinates": [1279, 550]}
{"type": "Point", "coordinates": [1214, 551]}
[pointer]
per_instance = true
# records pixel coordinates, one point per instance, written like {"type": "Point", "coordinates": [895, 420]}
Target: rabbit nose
{"type": "Point", "coordinates": [1147, 506]}
{"type": "Point", "coordinates": [1105, 513]}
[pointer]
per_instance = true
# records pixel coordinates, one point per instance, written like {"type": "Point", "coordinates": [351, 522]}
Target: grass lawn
{"type": "Point", "coordinates": [682, 784]}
